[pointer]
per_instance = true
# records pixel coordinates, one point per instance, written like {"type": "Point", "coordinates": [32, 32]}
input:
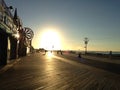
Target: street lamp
{"type": "Point", "coordinates": [86, 40]}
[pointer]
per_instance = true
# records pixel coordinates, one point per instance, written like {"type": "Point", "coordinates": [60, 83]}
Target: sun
{"type": "Point", "coordinates": [50, 40]}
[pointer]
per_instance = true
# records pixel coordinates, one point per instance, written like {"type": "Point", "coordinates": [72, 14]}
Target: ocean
{"type": "Point", "coordinates": [104, 52]}
{"type": "Point", "coordinates": [100, 52]}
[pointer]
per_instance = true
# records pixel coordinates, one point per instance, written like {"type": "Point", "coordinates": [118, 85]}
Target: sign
{"type": "Point", "coordinates": [6, 19]}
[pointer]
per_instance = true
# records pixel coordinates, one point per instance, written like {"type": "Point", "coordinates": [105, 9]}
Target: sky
{"type": "Point", "coordinates": [73, 20]}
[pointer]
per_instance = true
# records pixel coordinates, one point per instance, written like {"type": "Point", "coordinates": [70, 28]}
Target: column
{"type": "Point", "coordinates": [13, 48]}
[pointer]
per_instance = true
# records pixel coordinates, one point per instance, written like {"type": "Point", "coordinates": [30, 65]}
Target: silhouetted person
{"type": "Point", "coordinates": [45, 52]}
{"type": "Point", "coordinates": [79, 55]}
{"type": "Point", "coordinates": [61, 52]}
{"type": "Point", "coordinates": [57, 52]}
{"type": "Point", "coordinates": [110, 54]}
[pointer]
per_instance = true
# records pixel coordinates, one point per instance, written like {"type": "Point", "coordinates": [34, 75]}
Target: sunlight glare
{"type": "Point", "coordinates": [50, 40]}
{"type": "Point", "coordinates": [49, 54]}
{"type": "Point", "coordinates": [16, 35]}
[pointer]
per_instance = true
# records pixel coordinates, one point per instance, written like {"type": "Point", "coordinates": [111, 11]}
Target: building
{"type": "Point", "coordinates": [8, 32]}
{"type": "Point", "coordinates": [14, 39]}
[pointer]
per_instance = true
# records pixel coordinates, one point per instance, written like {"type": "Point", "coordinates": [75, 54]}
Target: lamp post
{"type": "Point", "coordinates": [86, 40]}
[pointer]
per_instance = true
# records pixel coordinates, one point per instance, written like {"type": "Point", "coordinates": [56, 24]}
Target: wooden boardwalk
{"type": "Point", "coordinates": [44, 72]}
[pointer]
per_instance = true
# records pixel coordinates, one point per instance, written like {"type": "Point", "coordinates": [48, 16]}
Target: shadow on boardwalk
{"type": "Point", "coordinates": [40, 72]}
{"type": "Point", "coordinates": [112, 65]}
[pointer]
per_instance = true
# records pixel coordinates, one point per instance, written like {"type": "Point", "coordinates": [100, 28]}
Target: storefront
{"type": "Point", "coordinates": [7, 31]}
{"type": "Point", "coordinates": [15, 40]}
